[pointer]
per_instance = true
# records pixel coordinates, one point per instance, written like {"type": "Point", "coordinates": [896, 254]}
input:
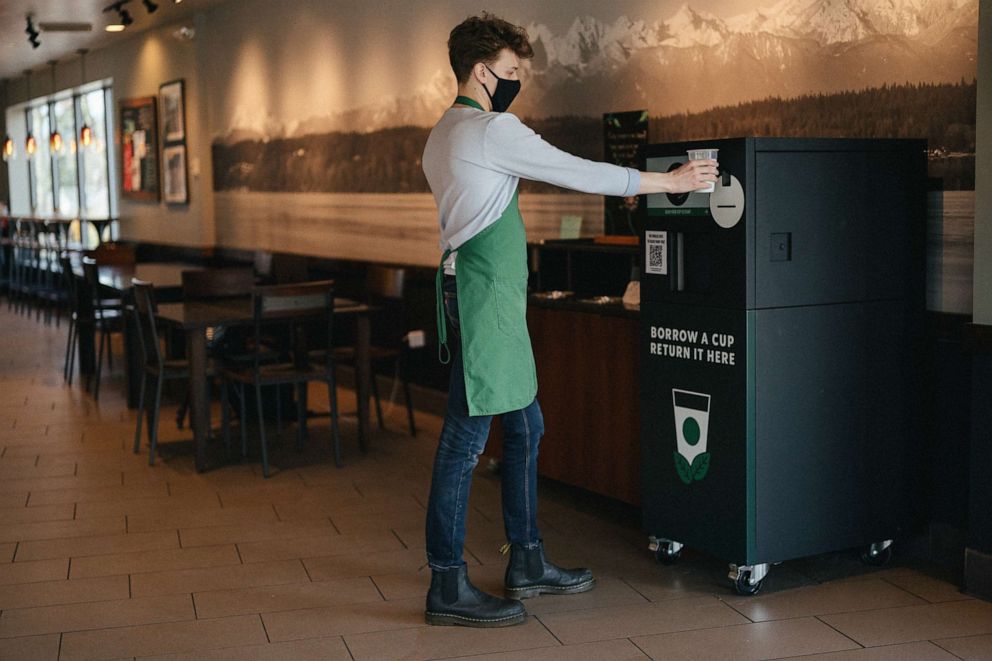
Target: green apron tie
{"type": "Point", "coordinates": [443, 353]}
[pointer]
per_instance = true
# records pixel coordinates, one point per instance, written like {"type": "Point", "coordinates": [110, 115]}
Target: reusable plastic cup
{"type": "Point", "coordinates": [701, 154]}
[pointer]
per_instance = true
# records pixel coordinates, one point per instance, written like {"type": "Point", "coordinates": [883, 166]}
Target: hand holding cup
{"type": "Point", "coordinates": [705, 156]}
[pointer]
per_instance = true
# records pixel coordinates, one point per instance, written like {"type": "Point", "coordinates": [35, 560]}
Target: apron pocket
{"type": "Point", "coordinates": [511, 305]}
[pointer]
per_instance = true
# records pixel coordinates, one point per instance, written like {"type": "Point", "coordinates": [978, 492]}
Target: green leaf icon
{"type": "Point", "coordinates": [683, 468]}
{"type": "Point", "coordinates": [700, 466]}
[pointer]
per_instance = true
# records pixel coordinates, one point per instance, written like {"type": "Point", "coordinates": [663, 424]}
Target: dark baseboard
{"type": "Point", "coordinates": [978, 574]}
{"type": "Point", "coordinates": [940, 544]}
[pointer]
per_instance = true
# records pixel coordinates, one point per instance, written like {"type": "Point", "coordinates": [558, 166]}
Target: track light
{"type": "Point", "coordinates": [32, 33]}
{"type": "Point", "coordinates": [122, 14]}
{"type": "Point", "coordinates": [150, 6]}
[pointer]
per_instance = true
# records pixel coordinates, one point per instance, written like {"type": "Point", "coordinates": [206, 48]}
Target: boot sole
{"type": "Point", "coordinates": [449, 620]}
{"type": "Point", "coordinates": [534, 590]}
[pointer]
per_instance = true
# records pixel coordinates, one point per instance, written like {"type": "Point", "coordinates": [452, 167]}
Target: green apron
{"type": "Point", "coordinates": [497, 358]}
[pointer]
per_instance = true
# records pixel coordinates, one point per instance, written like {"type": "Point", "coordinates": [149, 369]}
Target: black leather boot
{"type": "Point", "coordinates": [530, 574]}
{"type": "Point", "coordinates": [452, 599]}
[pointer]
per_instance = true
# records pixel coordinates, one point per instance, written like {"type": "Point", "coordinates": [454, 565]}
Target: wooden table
{"type": "Point", "coordinates": [195, 317]}
{"type": "Point", "coordinates": [165, 276]}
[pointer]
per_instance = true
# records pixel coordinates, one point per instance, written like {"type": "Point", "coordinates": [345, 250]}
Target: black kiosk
{"type": "Point", "coordinates": [781, 327]}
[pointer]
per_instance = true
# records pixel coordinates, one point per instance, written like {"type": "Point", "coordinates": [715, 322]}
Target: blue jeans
{"type": "Point", "coordinates": [463, 438]}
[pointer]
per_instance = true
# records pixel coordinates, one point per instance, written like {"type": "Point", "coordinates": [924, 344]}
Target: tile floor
{"type": "Point", "coordinates": [104, 557]}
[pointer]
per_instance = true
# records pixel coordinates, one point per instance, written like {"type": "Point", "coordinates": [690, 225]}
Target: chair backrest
{"type": "Point", "coordinates": [91, 275]}
{"type": "Point", "coordinates": [144, 318]}
{"type": "Point", "coordinates": [384, 287]}
{"type": "Point", "coordinates": [297, 307]}
{"type": "Point", "coordinates": [288, 268]}
{"type": "Point", "coordinates": [385, 282]}
{"type": "Point", "coordinates": [205, 284]}
{"type": "Point", "coordinates": [307, 298]}
{"type": "Point", "coordinates": [69, 279]}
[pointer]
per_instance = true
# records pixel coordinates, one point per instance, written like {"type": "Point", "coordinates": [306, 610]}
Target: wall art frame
{"type": "Point", "coordinates": [139, 165]}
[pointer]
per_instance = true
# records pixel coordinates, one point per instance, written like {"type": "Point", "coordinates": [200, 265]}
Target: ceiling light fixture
{"type": "Point", "coordinates": [8, 142]}
{"type": "Point", "coordinates": [32, 33]}
{"type": "Point", "coordinates": [150, 6]}
{"type": "Point", "coordinates": [30, 144]}
{"type": "Point", "coordinates": [85, 133]}
{"type": "Point", "coordinates": [54, 138]}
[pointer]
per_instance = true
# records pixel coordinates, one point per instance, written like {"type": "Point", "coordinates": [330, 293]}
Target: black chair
{"type": "Point", "coordinates": [384, 288]}
{"type": "Point", "coordinates": [72, 285]}
{"type": "Point", "coordinates": [213, 285]}
{"type": "Point", "coordinates": [54, 290]}
{"type": "Point", "coordinates": [107, 318]}
{"type": "Point", "coordinates": [304, 312]}
{"type": "Point", "coordinates": [154, 364]}
{"type": "Point", "coordinates": [23, 273]}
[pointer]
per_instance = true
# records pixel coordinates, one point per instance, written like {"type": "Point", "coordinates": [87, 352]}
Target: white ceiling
{"type": "Point", "coordinates": [16, 53]}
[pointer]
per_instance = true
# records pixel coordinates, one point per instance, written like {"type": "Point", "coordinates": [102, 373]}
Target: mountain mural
{"type": "Point", "coordinates": [692, 61]}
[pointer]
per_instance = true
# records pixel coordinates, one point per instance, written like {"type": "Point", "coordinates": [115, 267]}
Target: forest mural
{"type": "Point", "coordinates": [343, 176]}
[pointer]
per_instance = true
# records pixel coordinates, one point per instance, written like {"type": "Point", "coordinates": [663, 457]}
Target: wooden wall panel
{"type": "Point", "coordinates": [587, 371]}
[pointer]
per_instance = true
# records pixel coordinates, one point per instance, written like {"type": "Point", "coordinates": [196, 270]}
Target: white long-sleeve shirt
{"type": "Point", "coordinates": [474, 159]}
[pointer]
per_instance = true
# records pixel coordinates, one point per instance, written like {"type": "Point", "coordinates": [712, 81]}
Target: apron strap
{"type": "Point", "coordinates": [443, 353]}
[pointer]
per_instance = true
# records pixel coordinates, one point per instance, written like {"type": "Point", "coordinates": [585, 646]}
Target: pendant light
{"type": "Point", "coordinates": [30, 144]}
{"type": "Point", "coordinates": [8, 142]}
{"type": "Point", "coordinates": [55, 138]}
{"type": "Point", "coordinates": [85, 133]}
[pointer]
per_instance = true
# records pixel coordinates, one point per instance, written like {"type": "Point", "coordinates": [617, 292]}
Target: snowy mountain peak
{"type": "Point", "coordinates": [590, 44]}
{"type": "Point", "coordinates": [688, 27]}
{"type": "Point", "coordinates": [842, 21]}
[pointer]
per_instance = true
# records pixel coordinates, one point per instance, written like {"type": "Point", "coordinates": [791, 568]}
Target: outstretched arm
{"type": "Point", "coordinates": [513, 148]}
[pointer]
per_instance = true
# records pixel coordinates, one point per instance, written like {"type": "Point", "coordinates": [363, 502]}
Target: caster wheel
{"type": "Point", "coordinates": [876, 557]}
{"type": "Point", "coordinates": [744, 587]}
{"type": "Point", "coordinates": [667, 554]}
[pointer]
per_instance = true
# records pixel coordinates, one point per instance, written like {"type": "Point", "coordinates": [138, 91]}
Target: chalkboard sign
{"type": "Point", "coordinates": [139, 149]}
{"type": "Point", "coordinates": [623, 133]}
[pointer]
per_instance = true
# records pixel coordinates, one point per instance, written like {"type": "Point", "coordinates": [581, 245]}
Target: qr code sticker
{"type": "Point", "coordinates": [656, 253]}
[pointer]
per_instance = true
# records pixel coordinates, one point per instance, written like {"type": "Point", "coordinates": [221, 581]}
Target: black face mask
{"type": "Point", "coordinates": [506, 91]}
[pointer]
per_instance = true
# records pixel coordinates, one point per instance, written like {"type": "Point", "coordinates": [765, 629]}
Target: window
{"type": "Point", "coordinates": [64, 161]}
{"type": "Point", "coordinates": [93, 159]}
{"type": "Point", "coordinates": [42, 198]}
{"type": "Point", "coordinates": [75, 181]}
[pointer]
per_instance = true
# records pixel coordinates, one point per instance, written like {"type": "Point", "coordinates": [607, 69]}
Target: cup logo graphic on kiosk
{"type": "Point", "coordinates": [692, 421]}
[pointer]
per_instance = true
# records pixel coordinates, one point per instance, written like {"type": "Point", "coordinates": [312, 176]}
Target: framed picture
{"type": "Point", "coordinates": [139, 149]}
{"type": "Point", "coordinates": [174, 174]}
{"type": "Point", "coordinates": [172, 100]}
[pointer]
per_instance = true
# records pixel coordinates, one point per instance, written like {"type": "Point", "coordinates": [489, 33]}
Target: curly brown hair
{"type": "Point", "coordinates": [480, 39]}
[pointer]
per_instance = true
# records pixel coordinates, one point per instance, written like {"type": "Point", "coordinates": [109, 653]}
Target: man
{"type": "Point", "coordinates": [473, 161]}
